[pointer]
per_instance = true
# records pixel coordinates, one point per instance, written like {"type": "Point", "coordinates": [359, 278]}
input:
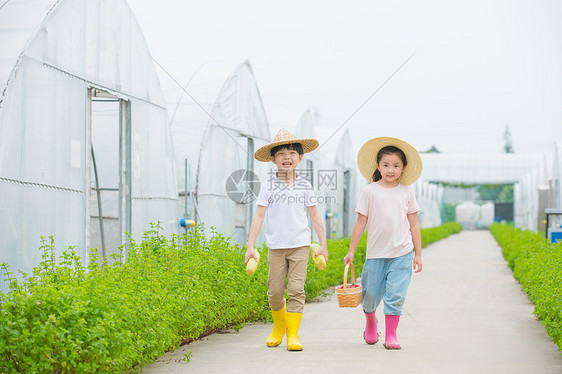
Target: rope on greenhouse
{"type": "Point", "coordinates": [119, 94]}
{"type": "Point", "coordinates": [40, 185]}
{"type": "Point", "coordinates": [154, 198]}
{"type": "Point", "coordinates": [366, 101]}
{"type": "Point", "coordinates": [188, 94]}
{"type": "Point", "coordinates": [5, 2]}
{"type": "Point", "coordinates": [217, 123]}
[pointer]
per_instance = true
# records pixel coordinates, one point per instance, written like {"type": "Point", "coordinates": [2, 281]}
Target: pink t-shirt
{"type": "Point", "coordinates": [388, 228]}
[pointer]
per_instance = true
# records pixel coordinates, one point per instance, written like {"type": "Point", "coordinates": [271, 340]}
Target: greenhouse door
{"type": "Point", "coordinates": [110, 165]}
{"type": "Point", "coordinates": [244, 210]}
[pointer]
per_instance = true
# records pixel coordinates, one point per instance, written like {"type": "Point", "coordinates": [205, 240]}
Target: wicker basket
{"type": "Point", "coordinates": [349, 296]}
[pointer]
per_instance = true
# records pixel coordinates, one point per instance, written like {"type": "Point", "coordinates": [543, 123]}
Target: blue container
{"type": "Point", "coordinates": [555, 235]}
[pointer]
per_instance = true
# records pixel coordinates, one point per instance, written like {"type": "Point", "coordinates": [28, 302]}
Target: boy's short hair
{"type": "Point", "coordinates": [292, 147]}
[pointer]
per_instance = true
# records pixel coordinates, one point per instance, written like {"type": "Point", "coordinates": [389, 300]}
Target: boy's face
{"type": "Point", "coordinates": [286, 159]}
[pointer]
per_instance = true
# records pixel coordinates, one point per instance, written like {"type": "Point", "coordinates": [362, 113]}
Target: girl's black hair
{"type": "Point", "coordinates": [388, 150]}
{"type": "Point", "coordinates": [292, 147]}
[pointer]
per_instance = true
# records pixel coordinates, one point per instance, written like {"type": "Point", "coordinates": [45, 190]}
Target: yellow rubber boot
{"type": "Point", "coordinates": [279, 328]}
{"type": "Point", "coordinates": [293, 324]}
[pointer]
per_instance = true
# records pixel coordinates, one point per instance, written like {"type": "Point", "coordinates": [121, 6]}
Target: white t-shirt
{"type": "Point", "coordinates": [388, 228]}
{"type": "Point", "coordinates": [286, 214]}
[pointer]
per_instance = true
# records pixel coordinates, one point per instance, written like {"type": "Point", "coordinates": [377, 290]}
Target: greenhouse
{"type": "Point", "coordinates": [218, 122]}
{"type": "Point", "coordinates": [538, 189]}
{"type": "Point", "coordinates": [312, 162]}
{"type": "Point", "coordinates": [536, 180]}
{"type": "Point", "coordinates": [430, 200]}
{"type": "Point", "coordinates": [493, 168]}
{"type": "Point", "coordinates": [86, 150]}
{"type": "Point", "coordinates": [340, 224]}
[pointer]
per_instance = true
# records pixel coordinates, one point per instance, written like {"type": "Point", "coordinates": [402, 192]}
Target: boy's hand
{"type": "Point", "coordinates": [250, 252]}
{"type": "Point", "coordinates": [348, 259]}
{"type": "Point", "coordinates": [417, 263]}
{"type": "Point", "coordinates": [322, 251]}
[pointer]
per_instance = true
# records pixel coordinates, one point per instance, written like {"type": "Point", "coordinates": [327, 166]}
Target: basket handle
{"type": "Point", "coordinates": [345, 275]}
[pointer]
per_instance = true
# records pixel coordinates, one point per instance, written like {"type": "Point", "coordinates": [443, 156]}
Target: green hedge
{"type": "Point", "coordinates": [67, 318]}
{"type": "Point", "coordinates": [537, 265]}
{"type": "Point", "coordinates": [116, 318]}
{"type": "Point", "coordinates": [434, 234]}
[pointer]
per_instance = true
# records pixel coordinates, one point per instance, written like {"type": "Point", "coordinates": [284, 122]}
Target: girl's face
{"type": "Point", "coordinates": [391, 168]}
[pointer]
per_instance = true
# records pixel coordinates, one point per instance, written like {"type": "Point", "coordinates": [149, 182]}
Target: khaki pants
{"type": "Point", "coordinates": [287, 271]}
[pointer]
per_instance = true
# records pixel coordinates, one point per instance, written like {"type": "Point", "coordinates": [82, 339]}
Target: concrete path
{"type": "Point", "coordinates": [464, 314]}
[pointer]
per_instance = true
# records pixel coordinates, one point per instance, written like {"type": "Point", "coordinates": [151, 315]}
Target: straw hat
{"type": "Point", "coordinates": [284, 137]}
{"type": "Point", "coordinates": [367, 159]}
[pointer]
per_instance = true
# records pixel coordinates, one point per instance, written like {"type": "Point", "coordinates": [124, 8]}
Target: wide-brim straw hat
{"type": "Point", "coordinates": [284, 137]}
{"type": "Point", "coordinates": [367, 159]}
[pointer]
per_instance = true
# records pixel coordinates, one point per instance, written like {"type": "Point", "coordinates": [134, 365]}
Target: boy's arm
{"type": "Point", "coordinates": [319, 229]}
{"type": "Point", "coordinates": [356, 235]}
{"type": "Point", "coordinates": [416, 238]}
{"type": "Point", "coordinates": [254, 231]}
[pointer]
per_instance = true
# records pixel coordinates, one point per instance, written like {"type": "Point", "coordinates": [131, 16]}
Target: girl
{"type": "Point", "coordinates": [388, 209]}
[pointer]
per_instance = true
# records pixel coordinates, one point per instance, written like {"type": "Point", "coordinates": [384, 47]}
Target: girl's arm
{"type": "Point", "coordinates": [356, 234]}
{"type": "Point", "coordinates": [319, 229]}
{"type": "Point", "coordinates": [416, 238]}
{"type": "Point", "coordinates": [254, 231]}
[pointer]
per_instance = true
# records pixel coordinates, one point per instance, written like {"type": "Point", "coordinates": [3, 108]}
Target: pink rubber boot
{"type": "Point", "coordinates": [391, 342]}
{"type": "Point", "coordinates": [371, 335]}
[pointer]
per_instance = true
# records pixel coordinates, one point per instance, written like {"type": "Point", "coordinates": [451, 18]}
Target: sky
{"type": "Point", "coordinates": [474, 66]}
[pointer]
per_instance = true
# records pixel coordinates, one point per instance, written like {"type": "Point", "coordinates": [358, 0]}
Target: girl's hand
{"type": "Point", "coordinates": [417, 264]}
{"type": "Point", "coordinates": [250, 252]}
{"type": "Point", "coordinates": [348, 259]}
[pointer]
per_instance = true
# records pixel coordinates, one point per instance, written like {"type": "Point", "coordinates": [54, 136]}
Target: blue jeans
{"type": "Point", "coordinates": [386, 279]}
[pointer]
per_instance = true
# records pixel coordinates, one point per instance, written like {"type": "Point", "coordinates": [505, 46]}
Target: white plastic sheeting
{"type": "Point", "coordinates": [499, 168]}
{"type": "Point", "coordinates": [556, 181]}
{"type": "Point", "coordinates": [539, 188]}
{"type": "Point", "coordinates": [218, 122]}
{"type": "Point", "coordinates": [55, 57]}
{"type": "Point", "coordinates": [332, 170]}
{"type": "Point", "coordinates": [475, 216]}
{"type": "Point", "coordinates": [525, 202]}
{"type": "Point", "coordinates": [467, 214]}
{"type": "Point", "coordinates": [340, 187]}
{"type": "Point", "coordinates": [313, 165]}
{"type": "Point", "coordinates": [430, 200]}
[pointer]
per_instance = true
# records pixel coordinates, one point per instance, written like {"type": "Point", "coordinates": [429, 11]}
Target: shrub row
{"type": "Point", "coordinates": [71, 318]}
{"type": "Point", "coordinates": [434, 234]}
{"type": "Point", "coordinates": [111, 318]}
{"type": "Point", "coordinates": [537, 265]}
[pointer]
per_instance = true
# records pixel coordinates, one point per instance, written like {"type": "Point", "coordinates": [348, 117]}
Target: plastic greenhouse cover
{"type": "Point", "coordinates": [476, 168]}
{"type": "Point", "coordinates": [345, 161]}
{"type": "Point", "coordinates": [56, 55]}
{"type": "Point", "coordinates": [197, 104]}
{"type": "Point", "coordinates": [218, 122]}
{"type": "Point", "coordinates": [545, 175]}
{"type": "Point", "coordinates": [19, 20]}
{"type": "Point", "coordinates": [312, 162]}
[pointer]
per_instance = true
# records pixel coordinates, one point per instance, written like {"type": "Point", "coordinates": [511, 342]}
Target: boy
{"type": "Point", "coordinates": [285, 198]}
